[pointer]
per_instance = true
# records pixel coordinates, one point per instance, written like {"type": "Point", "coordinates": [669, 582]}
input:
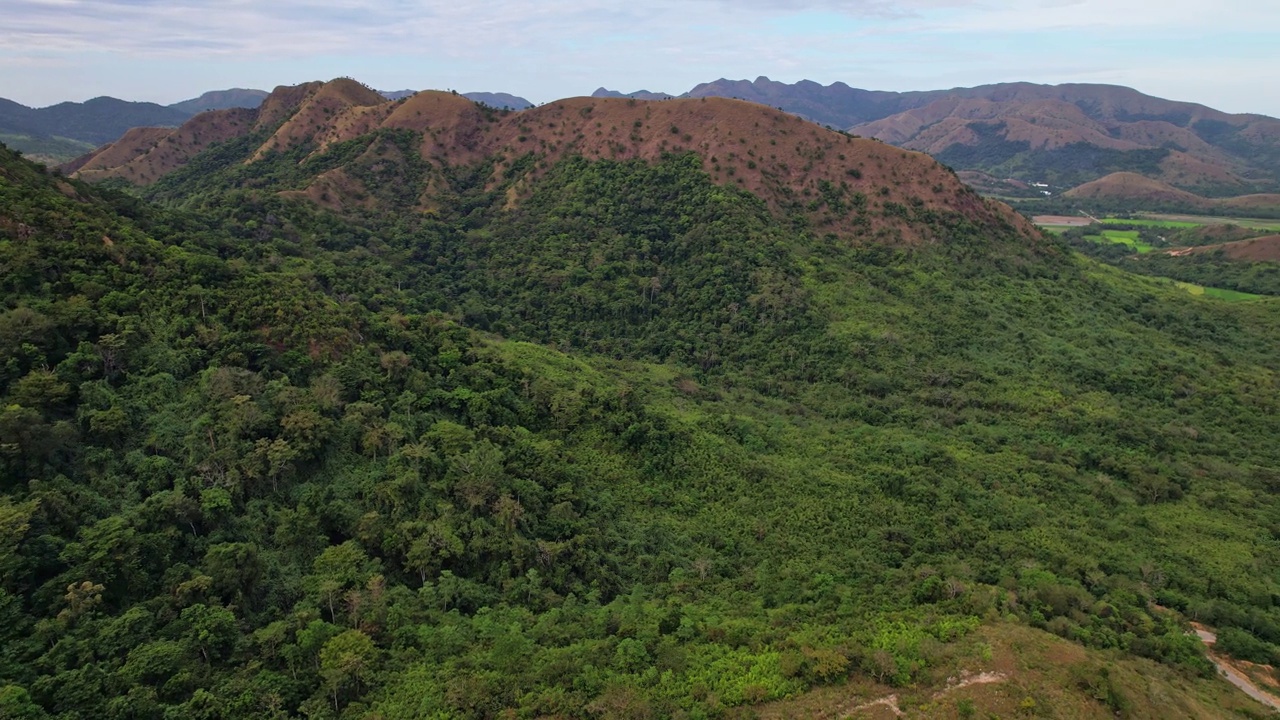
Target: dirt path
{"type": "Point", "coordinates": [1233, 676]}
{"type": "Point", "coordinates": [965, 680]}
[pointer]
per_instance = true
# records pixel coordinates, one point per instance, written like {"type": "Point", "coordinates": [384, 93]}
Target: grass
{"type": "Point", "coordinates": [1121, 237]}
{"type": "Point", "coordinates": [1146, 222]}
{"type": "Point", "coordinates": [1219, 293]}
{"type": "Point", "coordinates": [1194, 220]}
{"type": "Point", "coordinates": [1033, 674]}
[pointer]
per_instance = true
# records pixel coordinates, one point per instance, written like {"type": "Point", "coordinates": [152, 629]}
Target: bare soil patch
{"type": "Point", "coordinates": [1061, 220]}
{"type": "Point", "coordinates": [1260, 249]}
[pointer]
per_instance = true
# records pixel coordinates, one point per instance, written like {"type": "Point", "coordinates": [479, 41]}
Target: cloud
{"type": "Point", "coordinates": [549, 48]}
{"type": "Point", "coordinates": [292, 26]}
{"type": "Point", "coordinates": [460, 28]}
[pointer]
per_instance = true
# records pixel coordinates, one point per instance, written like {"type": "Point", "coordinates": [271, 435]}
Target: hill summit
{"type": "Point", "coordinates": [840, 184]}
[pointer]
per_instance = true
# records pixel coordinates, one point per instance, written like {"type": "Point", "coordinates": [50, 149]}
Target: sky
{"type": "Point", "coordinates": [1222, 53]}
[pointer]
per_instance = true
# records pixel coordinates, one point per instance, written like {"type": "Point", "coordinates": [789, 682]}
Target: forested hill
{"type": "Point", "coordinates": [573, 435]}
{"type": "Point", "coordinates": [347, 148]}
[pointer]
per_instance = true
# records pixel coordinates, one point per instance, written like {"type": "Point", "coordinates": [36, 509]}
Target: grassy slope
{"type": "Point", "coordinates": [1032, 674]}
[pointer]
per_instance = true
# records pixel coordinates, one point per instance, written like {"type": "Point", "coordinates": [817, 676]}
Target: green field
{"type": "Point", "coordinates": [1121, 237]}
{"type": "Point", "coordinates": [1219, 293]}
{"type": "Point", "coordinates": [1194, 220]}
{"type": "Point", "coordinates": [1146, 222]}
{"type": "Point", "coordinates": [52, 150]}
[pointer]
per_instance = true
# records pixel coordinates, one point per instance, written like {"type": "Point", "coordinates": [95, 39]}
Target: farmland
{"type": "Point", "coordinates": [1185, 221]}
{"type": "Point", "coordinates": [1121, 237]}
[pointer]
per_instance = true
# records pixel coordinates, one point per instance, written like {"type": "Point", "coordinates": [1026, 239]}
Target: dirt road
{"type": "Point", "coordinates": [1235, 677]}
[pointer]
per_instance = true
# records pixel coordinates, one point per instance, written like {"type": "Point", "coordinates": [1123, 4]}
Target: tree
{"type": "Point", "coordinates": [210, 630]}
{"type": "Point", "coordinates": [345, 663]}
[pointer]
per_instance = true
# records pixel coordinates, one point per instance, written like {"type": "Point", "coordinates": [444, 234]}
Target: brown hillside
{"type": "Point", "coordinates": [1043, 124]}
{"type": "Point", "coordinates": [1113, 118]}
{"type": "Point", "coordinates": [282, 101]}
{"type": "Point", "coordinates": [171, 151]}
{"type": "Point", "coordinates": [772, 154]}
{"type": "Point", "coordinates": [328, 111]}
{"type": "Point", "coordinates": [1245, 203]}
{"type": "Point", "coordinates": [1182, 170]}
{"type": "Point", "coordinates": [788, 162]}
{"type": "Point", "coordinates": [451, 125]}
{"type": "Point", "coordinates": [1135, 188]}
{"type": "Point", "coordinates": [1218, 234]}
{"type": "Point", "coordinates": [144, 155]}
{"type": "Point", "coordinates": [777, 156]}
{"type": "Point", "coordinates": [132, 144]}
{"type": "Point", "coordinates": [1259, 249]}
{"type": "Point", "coordinates": [1144, 192]}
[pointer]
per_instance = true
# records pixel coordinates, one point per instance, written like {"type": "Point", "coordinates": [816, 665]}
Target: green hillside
{"type": "Point", "coordinates": [632, 447]}
{"type": "Point", "coordinates": [51, 151]}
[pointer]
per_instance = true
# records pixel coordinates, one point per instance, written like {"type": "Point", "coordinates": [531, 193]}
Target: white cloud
{"type": "Point", "coordinates": [549, 48]}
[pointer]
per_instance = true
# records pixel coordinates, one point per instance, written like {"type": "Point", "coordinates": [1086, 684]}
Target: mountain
{"type": "Point", "coordinates": [496, 100]}
{"type": "Point", "coordinates": [1061, 135]}
{"type": "Point", "coordinates": [396, 94]}
{"type": "Point", "coordinates": [837, 105]}
{"type": "Point", "coordinates": [499, 100]}
{"type": "Point", "coordinates": [1127, 191]}
{"type": "Point", "coordinates": [1131, 189]}
{"type": "Point", "coordinates": [606, 409]}
{"type": "Point", "coordinates": [60, 132]}
{"type": "Point", "coordinates": [222, 100]}
{"type": "Point", "coordinates": [97, 121]}
{"type": "Point", "coordinates": [638, 95]}
{"type": "Point", "coordinates": [1058, 136]}
{"type": "Point", "coordinates": [836, 181]}
{"type": "Point", "coordinates": [1067, 134]}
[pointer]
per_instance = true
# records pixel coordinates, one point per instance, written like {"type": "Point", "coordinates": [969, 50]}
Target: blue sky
{"type": "Point", "coordinates": [1222, 53]}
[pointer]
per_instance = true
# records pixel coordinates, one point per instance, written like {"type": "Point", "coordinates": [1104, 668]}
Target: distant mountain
{"type": "Point", "coordinates": [222, 100]}
{"type": "Point", "coordinates": [1063, 135]}
{"type": "Point", "coordinates": [1058, 136]}
{"type": "Point", "coordinates": [637, 95]}
{"type": "Point", "coordinates": [496, 100]}
{"type": "Point", "coordinates": [1067, 134]}
{"type": "Point", "coordinates": [499, 100]}
{"type": "Point", "coordinates": [96, 121]}
{"type": "Point", "coordinates": [837, 105]}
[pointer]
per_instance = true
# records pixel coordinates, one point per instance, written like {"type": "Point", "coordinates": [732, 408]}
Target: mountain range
{"type": "Point", "coordinates": [791, 163]}
{"type": "Point", "coordinates": [67, 130]}
{"type": "Point", "coordinates": [1013, 139]}
{"type": "Point", "coordinates": [1060, 135]}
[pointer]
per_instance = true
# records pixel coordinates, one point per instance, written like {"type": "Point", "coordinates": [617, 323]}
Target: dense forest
{"type": "Point", "coordinates": [631, 447]}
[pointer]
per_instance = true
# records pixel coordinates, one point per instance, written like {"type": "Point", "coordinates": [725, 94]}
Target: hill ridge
{"type": "Point", "coordinates": [844, 185]}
